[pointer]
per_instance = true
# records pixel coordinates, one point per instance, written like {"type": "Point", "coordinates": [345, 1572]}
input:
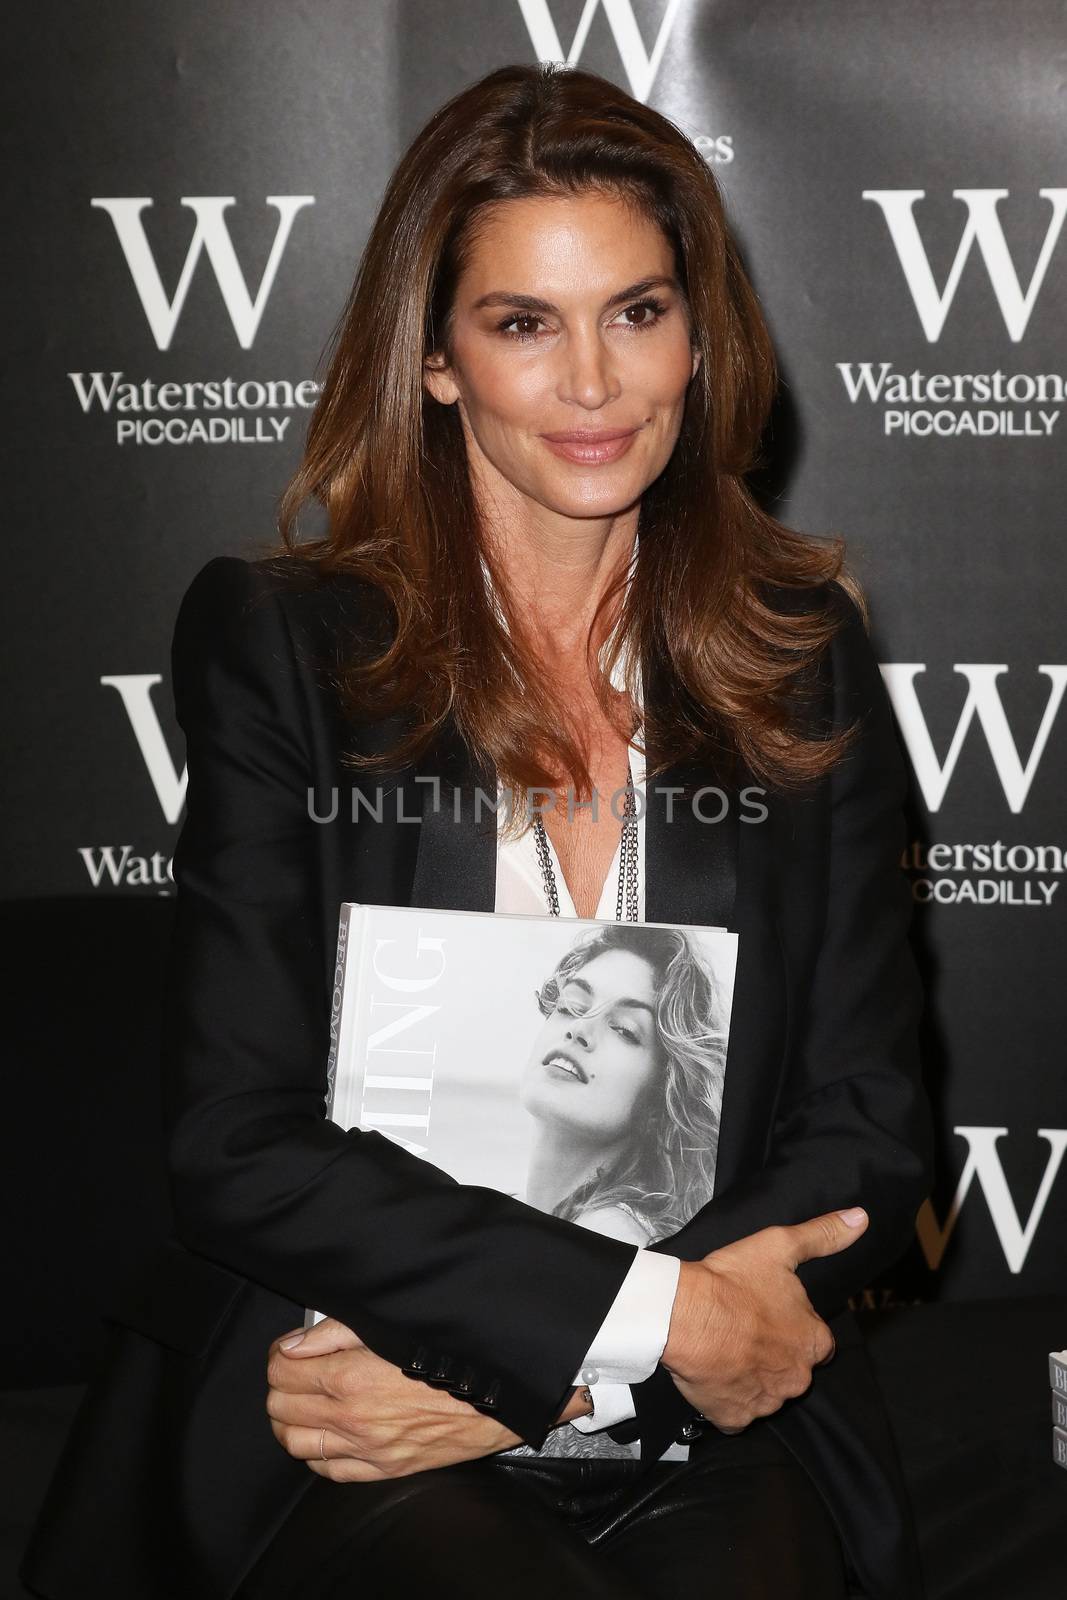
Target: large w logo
{"type": "Point", "coordinates": [983, 227]}
{"type": "Point", "coordinates": [135, 689]}
{"type": "Point", "coordinates": [212, 237]}
{"type": "Point", "coordinates": [983, 705]}
{"type": "Point", "coordinates": [641, 65]}
{"type": "Point", "coordinates": [984, 1167]}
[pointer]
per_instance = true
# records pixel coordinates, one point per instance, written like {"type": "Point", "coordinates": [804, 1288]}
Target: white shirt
{"type": "Point", "coordinates": [632, 1337]}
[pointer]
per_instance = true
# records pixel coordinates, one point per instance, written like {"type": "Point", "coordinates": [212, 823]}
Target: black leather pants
{"type": "Point", "coordinates": [740, 1520]}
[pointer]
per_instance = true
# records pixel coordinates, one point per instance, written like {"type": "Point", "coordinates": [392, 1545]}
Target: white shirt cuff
{"type": "Point", "coordinates": [633, 1335]}
{"type": "Point", "coordinates": [612, 1403]}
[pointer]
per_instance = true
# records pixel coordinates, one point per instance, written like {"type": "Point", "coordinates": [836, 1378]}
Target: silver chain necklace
{"type": "Point", "coordinates": [627, 858]}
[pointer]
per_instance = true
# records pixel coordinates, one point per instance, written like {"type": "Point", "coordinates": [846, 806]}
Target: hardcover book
{"type": "Point", "coordinates": [573, 1063]}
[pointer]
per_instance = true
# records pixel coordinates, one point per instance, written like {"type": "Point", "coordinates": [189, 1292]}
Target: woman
{"type": "Point", "coordinates": [625, 1079]}
{"type": "Point", "coordinates": [550, 338]}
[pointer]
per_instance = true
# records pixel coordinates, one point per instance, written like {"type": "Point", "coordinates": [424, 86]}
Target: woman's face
{"type": "Point", "coordinates": [566, 318]}
{"type": "Point", "coordinates": [597, 1053]}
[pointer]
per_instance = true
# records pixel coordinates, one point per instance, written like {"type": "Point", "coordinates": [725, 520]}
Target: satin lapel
{"type": "Point", "coordinates": [455, 868]}
{"type": "Point", "coordinates": [425, 845]}
{"type": "Point", "coordinates": [690, 862]}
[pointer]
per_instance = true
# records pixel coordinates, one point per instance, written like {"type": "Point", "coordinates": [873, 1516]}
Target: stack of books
{"type": "Point", "coordinates": [1057, 1377]}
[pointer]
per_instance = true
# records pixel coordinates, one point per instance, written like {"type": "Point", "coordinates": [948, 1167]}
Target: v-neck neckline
{"type": "Point", "coordinates": [563, 892]}
{"type": "Point", "coordinates": [607, 901]}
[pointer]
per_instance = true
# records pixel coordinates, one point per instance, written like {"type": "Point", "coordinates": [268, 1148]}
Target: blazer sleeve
{"type": "Point", "coordinates": [495, 1298]}
{"type": "Point", "coordinates": [854, 1125]}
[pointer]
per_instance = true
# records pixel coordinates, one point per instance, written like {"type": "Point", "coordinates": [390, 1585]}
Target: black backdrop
{"type": "Point", "coordinates": [190, 190]}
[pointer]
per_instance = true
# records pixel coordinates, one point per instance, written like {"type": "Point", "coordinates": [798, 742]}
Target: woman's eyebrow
{"type": "Point", "coordinates": [623, 999]}
{"type": "Point", "coordinates": [529, 302]}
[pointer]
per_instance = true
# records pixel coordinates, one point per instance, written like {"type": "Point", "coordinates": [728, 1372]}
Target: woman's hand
{"type": "Point", "coordinates": [379, 1423]}
{"type": "Point", "coordinates": [743, 1334]}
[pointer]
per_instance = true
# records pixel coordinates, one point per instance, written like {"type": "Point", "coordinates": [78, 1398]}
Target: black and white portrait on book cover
{"type": "Point", "coordinates": [577, 1065]}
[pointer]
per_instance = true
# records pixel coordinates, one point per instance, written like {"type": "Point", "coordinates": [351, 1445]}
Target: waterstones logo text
{"type": "Point", "coordinates": [982, 405]}
{"type": "Point", "coordinates": [956, 405]}
{"type": "Point", "coordinates": [984, 874]}
{"type": "Point", "coordinates": [211, 410]}
{"type": "Point", "coordinates": [204, 411]}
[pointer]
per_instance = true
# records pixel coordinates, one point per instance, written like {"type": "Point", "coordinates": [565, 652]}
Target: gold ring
{"type": "Point", "coordinates": [322, 1445]}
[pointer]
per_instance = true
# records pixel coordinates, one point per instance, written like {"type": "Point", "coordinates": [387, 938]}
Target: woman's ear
{"type": "Point", "coordinates": [697, 357]}
{"type": "Point", "coordinates": [438, 380]}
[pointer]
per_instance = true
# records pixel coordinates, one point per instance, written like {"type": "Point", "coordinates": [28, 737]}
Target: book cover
{"type": "Point", "coordinates": [575, 1064]}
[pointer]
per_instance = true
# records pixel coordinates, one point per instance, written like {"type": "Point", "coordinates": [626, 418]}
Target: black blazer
{"type": "Point", "coordinates": [172, 1483]}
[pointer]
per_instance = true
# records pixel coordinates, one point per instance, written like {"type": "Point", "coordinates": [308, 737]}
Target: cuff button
{"type": "Point", "coordinates": [419, 1363]}
{"type": "Point", "coordinates": [489, 1398]}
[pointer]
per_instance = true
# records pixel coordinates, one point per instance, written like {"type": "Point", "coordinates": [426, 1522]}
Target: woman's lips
{"type": "Point", "coordinates": [591, 452]}
{"type": "Point", "coordinates": [561, 1065]}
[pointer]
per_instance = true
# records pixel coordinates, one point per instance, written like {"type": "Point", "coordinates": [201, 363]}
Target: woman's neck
{"type": "Point", "coordinates": [560, 1162]}
{"type": "Point", "coordinates": [556, 569]}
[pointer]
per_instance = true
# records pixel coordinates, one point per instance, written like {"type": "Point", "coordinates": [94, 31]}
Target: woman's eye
{"type": "Point", "coordinates": [577, 1006]}
{"type": "Point", "coordinates": [656, 308]}
{"type": "Point", "coordinates": [526, 316]}
{"type": "Point", "coordinates": [572, 1008]}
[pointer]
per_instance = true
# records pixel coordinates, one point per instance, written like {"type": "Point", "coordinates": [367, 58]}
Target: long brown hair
{"type": "Point", "coordinates": [388, 463]}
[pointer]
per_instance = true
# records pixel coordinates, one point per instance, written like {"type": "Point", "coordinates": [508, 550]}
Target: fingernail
{"type": "Point", "coordinates": [294, 1338]}
{"type": "Point", "coordinates": [853, 1216]}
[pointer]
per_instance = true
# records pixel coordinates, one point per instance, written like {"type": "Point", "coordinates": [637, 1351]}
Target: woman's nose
{"type": "Point", "coordinates": [588, 379]}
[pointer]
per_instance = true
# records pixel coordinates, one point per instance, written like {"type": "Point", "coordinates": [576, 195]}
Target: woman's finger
{"type": "Point", "coordinates": [297, 1408]}
{"type": "Point", "coordinates": [829, 1356]}
{"type": "Point", "coordinates": [306, 1444]}
{"type": "Point", "coordinates": [325, 1337]}
{"type": "Point", "coordinates": [348, 1469]}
